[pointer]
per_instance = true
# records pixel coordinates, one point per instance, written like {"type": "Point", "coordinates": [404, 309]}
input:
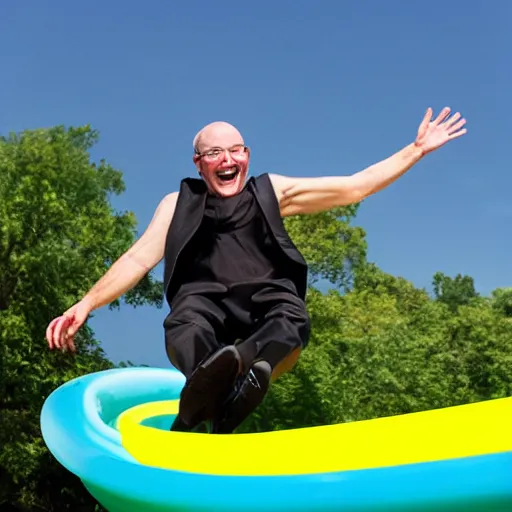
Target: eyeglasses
{"type": "Point", "coordinates": [215, 153]}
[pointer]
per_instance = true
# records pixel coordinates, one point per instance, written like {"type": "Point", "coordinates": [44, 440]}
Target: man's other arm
{"type": "Point", "coordinates": [310, 195]}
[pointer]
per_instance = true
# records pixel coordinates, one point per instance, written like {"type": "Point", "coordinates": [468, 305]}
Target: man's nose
{"type": "Point", "coordinates": [226, 156]}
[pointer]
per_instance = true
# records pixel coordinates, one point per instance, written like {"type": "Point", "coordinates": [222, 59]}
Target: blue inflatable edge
{"type": "Point", "coordinates": [78, 426]}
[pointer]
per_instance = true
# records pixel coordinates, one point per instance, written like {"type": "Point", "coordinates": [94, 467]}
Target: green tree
{"type": "Point", "coordinates": [454, 292]}
{"type": "Point", "coordinates": [379, 346]}
{"type": "Point", "coordinates": [332, 247]}
{"type": "Point", "coordinates": [383, 347]}
{"type": "Point", "coordinates": [501, 300]}
{"type": "Point", "coordinates": [480, 334]}
{"type": "Point", "coordinates": [58, 235]}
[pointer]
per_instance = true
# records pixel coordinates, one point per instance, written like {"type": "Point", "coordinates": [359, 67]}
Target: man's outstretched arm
{"type": "Point", "coordinates": [138, 260]}
{"type": "Point", "coordinates": [123, 275]}
{"type": "Point", "coordinates": [310, 195]}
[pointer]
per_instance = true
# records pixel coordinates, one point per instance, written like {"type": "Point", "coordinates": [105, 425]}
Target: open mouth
{"type": "Point", "coordinates": [228, 175]}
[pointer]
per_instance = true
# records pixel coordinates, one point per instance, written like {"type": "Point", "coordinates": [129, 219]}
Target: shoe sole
{"type": "Point", "coordinates": [244, 403]}
{"type": "Point", "coordinates": [209, 386]}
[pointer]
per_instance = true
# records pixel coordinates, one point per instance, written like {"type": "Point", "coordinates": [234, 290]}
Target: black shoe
{"type": "Point", "coordinates": [207, 388]}
{"type": "Point", "coordinates": [249, 393]}
{"type": "Point", "coordinates": [180, 426]}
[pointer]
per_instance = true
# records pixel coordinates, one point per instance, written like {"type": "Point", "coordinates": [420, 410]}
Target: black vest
{"type": "Point", "coordinates": [188, 216]}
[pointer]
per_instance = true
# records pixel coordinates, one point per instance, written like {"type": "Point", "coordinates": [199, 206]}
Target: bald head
{"type": "Point", "coordinates": [221, 158]}
{"type": "Point", "coordinates": [217, 134]}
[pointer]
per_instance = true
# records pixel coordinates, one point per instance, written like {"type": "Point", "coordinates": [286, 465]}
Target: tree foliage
{"type": "Point", "coordinates": [58, 235]}
{"type": "Point", "coordinates": [454, 292]}
{"type": "Point", "coordinates": [385, 347]}
{"type": "Point", "coordinates": [331, 246]}
{"type": "Point", "coordinates": [380, 346]}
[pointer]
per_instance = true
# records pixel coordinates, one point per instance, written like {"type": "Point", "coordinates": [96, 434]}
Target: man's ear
{"type": "Point", "coordinates": [196, 159]}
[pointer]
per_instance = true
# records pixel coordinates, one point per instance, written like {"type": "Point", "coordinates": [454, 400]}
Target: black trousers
{"type": "Point", "coordinates": [267, 322]}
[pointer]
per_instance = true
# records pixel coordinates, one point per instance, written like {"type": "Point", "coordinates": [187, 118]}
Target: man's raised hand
{"type": "Point", "coordinates": [432, 134]}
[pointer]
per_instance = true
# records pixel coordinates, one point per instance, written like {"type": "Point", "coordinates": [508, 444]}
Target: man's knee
{"type": "Point", "coordinates": [284, 356]}
{"type": "Point", "coordinates": [188, 341]}
{"type": "Point", "coordinates": [280, 336]}
{"type": "Point", "coordinates": [286, 364]}
{"type": "Point", "coordinates": [296, 319]}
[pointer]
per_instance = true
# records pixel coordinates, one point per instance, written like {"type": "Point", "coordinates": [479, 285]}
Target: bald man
{"type": "Point", "coordinates": [235, 282]}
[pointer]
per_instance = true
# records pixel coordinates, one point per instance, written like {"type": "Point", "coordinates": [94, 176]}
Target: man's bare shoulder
{"type": "Point", "coordinates": [166, 207]}
{"type": "Point", "coordinates": [170, 198]}
{"type": "Point", "coordinates": [280, 184]}
{"type": "Point", "coordinates": [284, 189]}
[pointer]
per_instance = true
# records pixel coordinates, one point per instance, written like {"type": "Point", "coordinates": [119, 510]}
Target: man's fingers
{"type": "Point", "coordinates": [61, 331]}
{"type": "Point", "coordinates": [49, 332]}
{"type": "Point", "coordinates": [69, 340]}
{"type": "Point", "coordinates": [71, 344]}
{"type": "Point", "coordinates": [442, 115]}
{"type": "Point", "coordinates": [56, 332]}
{"type": "Point", "coordinates": [450, 122]}
{"type": "Point", "coordinates": [458, 134]}
{"type": "Point", "coordinates": [424, 124]}
{"type": "Point", "coordinates": [428, 117]}
{"type": "Point", "coordinates": [58, 335]}
{"type": "Point", "coordinates": [456, 126]}
{"type": "Point", "coordinates": [74, 325]}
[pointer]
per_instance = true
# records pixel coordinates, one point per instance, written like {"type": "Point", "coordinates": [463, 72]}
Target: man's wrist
{"type": "Point", "coordinates": [89, 302]}
{"type": "Point", "coordinates": [415, 151]}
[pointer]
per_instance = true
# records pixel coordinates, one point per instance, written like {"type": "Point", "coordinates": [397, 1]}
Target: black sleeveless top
{"type": "Point", "coordinates": [232, 246]}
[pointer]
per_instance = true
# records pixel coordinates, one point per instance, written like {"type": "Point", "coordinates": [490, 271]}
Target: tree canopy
{"type": "Point", "coordinates": [58, 235]}
{"type": "Point", "coordinates": [380, 345]}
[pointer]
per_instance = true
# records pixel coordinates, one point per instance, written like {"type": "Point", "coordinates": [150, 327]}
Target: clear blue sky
{"type": "Point", "coordinates": [317, 88]}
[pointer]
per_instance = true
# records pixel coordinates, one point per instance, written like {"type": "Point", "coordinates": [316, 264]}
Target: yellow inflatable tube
{"type": "Point", "coordinates": [456, 432]}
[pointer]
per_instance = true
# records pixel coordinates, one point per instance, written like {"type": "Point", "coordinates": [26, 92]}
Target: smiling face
{"type": "Point", "coordinates": [221, 158]}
